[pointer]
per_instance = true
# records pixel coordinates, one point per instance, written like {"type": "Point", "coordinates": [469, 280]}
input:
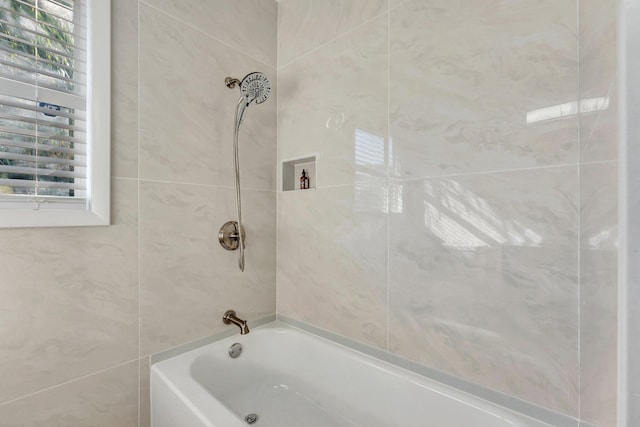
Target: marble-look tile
{"type": "Point", "coordinates": [483, 280]}
{"type": "Point", "coordinates": [332, 249]}
{"type": "Point", "coordinates": [69, 299]}
{"type": "Point", "coordinates": [598, 80]}
{"type": "Point", "coordinates": [466, 77]}
{"type": "Point", "coordinates": [187, 279]}
{"type": "Point", "coordinates": [334, 103]}
{"type": "Point", "coordinates": [248, 25]}
{"type": "Point", "coordinates": [106, 399]}
{"type": "Point", "coordinates": [187, 112]}
{"type": "Point", "coordinates": [598, 292]}
{"type": "Point", "coordinates": [124, 88]}
{"type": "Point", "coordinates": [144, 396]}
{"type": "Point", "coordinates": [306, 24]}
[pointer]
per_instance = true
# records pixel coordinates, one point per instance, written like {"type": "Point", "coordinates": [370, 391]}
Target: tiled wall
{"type": "Point", "coordinates": [599, 214]}
{"type": "Point", "coordinates": [82, 309]}
{"type": "Point", "coordinates": [445, 228]}
{"type": "Point", "coordinates": [450, 225]}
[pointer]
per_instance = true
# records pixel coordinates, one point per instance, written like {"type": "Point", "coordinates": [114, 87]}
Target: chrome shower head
{"type": "Point", "coordinates": [255, 87]}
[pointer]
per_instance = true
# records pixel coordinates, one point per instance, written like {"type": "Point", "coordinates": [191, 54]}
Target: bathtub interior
{"type": "Point", "coordinates": [289, 378]}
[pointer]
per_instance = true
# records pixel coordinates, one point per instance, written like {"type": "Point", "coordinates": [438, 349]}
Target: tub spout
{"type": "Point", "coordinates": [230, 317]}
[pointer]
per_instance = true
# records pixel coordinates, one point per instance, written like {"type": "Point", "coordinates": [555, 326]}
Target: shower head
{"type": "Point", "coordinates": [255, 87]}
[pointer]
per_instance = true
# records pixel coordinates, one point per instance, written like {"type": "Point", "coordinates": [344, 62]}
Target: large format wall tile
{"type": "Point", "coordinates": [124, 88]}
{"type": "Point", "coordinates": [598, 292]}
{"type": "Point", "coordinates": [465, 78]}
{"type": "Point", "coordinates": [187, 112]}
{"type": "Point", "coordinates": [105, 399]}
{"type": "Point", "coordinates": [332, 247]}
{"type": "Point", "coordinates": [336, 105]}
{"type": "Point", "coordinates": [306, 24]}
{"type": "Point", "coordinates": [187, 279]}
{"type": "Point", "coordinates": [247, 25]}
{"type": "Point", "coordinates": [483, 281]}
{"type": "Point", "coordinates": [598, 80]}
{"type": "Point", "coordinates": [69, 299]}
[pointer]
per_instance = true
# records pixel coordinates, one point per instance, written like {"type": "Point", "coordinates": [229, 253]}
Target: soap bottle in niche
{"type": "Point", "coordinates": [304, 180]}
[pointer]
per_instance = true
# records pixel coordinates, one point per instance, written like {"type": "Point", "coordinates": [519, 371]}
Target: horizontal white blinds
{"type": "Point", "coordinates": [43, 102]}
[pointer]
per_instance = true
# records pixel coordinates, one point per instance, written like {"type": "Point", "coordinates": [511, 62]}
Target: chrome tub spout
{"type": "Point", "coordinates": [230, 317]}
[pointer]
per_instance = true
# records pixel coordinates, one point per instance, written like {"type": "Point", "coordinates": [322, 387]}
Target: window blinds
{"type": "Point", "coordinates": [43, 103]}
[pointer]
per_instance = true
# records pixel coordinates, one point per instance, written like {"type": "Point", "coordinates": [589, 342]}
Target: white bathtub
{"type": "Point", "coordinates": [293, 379]}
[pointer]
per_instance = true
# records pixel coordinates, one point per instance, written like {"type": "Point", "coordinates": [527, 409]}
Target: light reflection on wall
{"type": "Point", "coordinates": [604, 239]}
{"type": "Point", "coordinates": [369, 149]}
{"type": "Point", "coordinates": [465, 221]}
{"type": "Point", "coordinates": [371, 194]}
{"type": "Point", "coordinates": [568, 109]}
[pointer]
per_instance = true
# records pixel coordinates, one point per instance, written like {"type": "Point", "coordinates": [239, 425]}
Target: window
{"type": "Point", "coordinates": [54, 112]}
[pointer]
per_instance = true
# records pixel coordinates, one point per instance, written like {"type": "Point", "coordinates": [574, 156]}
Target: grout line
{"type": "Point", "coordinates": [124, 178]}
{"type": "Point", "coordinates": [599, 162]}
{"type": "Point", "coordinates": [341, 35]}
{"type": "Point", "coordinates": [207, 34]}
{"type": "Point", "coordinates": [68, 382]}
{"type": "Point", "coordinates": [200, 184]}
{"type": "Point", "coordinates": [139, 215]}
{"type": "Point", "coordinates": [579, 209]}
{"type": "Point", "coordinates": [490, 172]}
{"type": "Point", "coordinates": [278, 175]}
{"type": "Point", "coordinates": [388, 10]}
{"type": "Point", "coordinates": [389, 191]}
{"type": "Point", "coordinates": [277, 38]}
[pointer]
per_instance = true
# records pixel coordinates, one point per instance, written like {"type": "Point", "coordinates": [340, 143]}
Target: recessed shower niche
{"type": "Point", "coordinates": [292, 173]}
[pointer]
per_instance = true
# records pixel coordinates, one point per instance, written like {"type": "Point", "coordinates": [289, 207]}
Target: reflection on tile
{"type": "Point", "coordinates": [69, 299]}
{"type": "Point", "coordinates": [252, 28]}
{"type": "Point", "coordinates": [598, 68]}
{"type": "Point", "coordinates": [599, 293]}
{"type": "Point", "coordinates": [124, 88]}
{"type": "Point", "coordinates": [144, 398]}
{"type": "Point", "coordinates": [187, 279]}
{"type": "Point", "coordinates": [332, 259]}
{"type": "Point", "coordinates": [187, 113]}
{"type": "Point", "coordinates": [483, 281]}
{"type": "Point", "coordinates": [464, 75]}
{"type": "Point", "coordinates": [106, 399]}
{"type": "Point", "coordinates": [306, 24]}
{"type": "Point", "coordinates": [340, 111]}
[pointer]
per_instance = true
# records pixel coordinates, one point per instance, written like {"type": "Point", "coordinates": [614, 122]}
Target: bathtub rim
{"type": "Point", "coordinates": [494, 397]}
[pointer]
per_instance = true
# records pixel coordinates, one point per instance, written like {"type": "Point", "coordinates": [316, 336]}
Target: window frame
{"type": "Point", "coordinates": [98, 212]}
